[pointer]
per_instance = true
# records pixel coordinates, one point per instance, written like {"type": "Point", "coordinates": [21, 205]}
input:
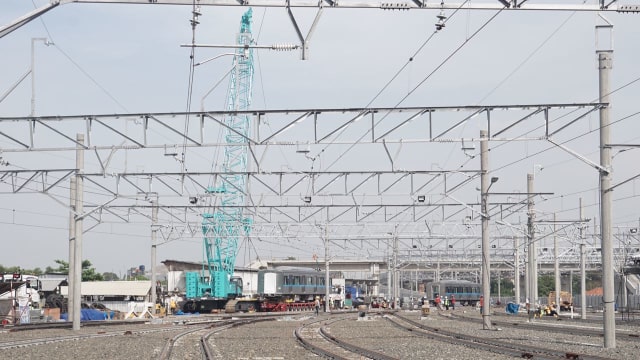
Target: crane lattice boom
{"type": "Point", "coordinates": [223, 229]}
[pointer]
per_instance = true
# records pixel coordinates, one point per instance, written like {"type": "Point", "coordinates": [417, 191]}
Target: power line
{"type": "Point", "coordinates": [466, 41]}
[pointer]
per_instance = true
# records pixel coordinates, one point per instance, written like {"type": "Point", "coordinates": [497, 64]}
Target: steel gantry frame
{"type": "Point", "coordinates": [386, 126]}
{"type": "Point", "coordinates": [387, 195]}
{"type": "Point", "coordinates": [384, 135]}
{"type": "Point", "coordinates": [295, 195]}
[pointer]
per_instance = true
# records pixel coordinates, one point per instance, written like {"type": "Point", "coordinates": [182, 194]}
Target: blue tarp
{"type": "Point", "coordinates": [512, 308]}
{"type": "Point", "coordinates": [91, 314]}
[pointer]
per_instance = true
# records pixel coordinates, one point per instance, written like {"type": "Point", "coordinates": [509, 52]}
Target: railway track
{"type": "Point", "coordinates": [99, 333]}
{"type": "Point", "coordinates": [316, 337]}
{"type": "Point", "coordinates": [78, 337]}
{"type": "Point", "coordinates": [548, 326]}
{"type": "Point", "coordinates": [487, 344]}
{"type": "Point", "coordinates": [181, 345]}
{"type": "Point", "coordinates": [592, 318]}
{"type": "Point", "coordinates": [69, 325]}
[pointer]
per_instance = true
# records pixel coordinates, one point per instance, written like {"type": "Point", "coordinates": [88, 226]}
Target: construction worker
{"type": "Point", "coordinates": [551, 310]}
{"type": "Point", "coordinates": [172, 305]}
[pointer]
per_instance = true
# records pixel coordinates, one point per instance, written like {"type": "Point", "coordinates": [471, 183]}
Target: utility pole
{"type": "Point", "coordinates": [72, 248]}
{"type": "Point", "coordinates": [326, 270]}
{"type": "Point", "coordinates": [486, 261]}
{"type": "Point", "coordinates": [605, 62]}
{"type": "Point", "coordinates": [556, 264]}
{"type": "Point", "coordinates": [533, 271]}
{"type": "Point", "coordinates": [527, 276]}
{"type": "Point", "coordinates": [389, 273]}
{"type": "Point", "coordinates": [154, 241]}
{"type": "Point", "coordinates": [396, 272]}
{"type": "Point", "coordinates": [77, 276]}
{"type": "Point", "coordinates": [516, 268]}
{"type": "Point", "coordinates": [583, 269]}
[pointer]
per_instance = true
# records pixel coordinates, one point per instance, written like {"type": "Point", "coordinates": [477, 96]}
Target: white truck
{"type": "Point", "coordinates": [19, 295]}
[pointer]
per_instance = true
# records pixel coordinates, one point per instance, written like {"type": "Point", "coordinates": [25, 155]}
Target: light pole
{"type": "Point", "coordinates": [396, 270]}
{"type": "Point", "coordinates": [485, 185]}
{"type": "Point", "coordinates": [33, 71]}
{"type": "Point", "coordinates": [532, 271]}
{"type": "Point", "coordinates": [154, 240]}
{"type": "Point", "coordinates": [327, 308]}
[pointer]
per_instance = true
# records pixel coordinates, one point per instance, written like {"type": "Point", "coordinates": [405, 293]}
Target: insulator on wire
{"type": "Point", "coordinates": [283, 47]}
{"type": "Point", "coordinates": [441, 20]}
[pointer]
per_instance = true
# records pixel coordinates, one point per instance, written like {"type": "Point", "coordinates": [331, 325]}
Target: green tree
{"type": "Point", "coordinates": [506, 287]}
{"type": "Point", "coordinates": [546, 284]}
{"type": "Point", "coordinates": [63, 267]}
{"type": "Point", "coordinates": [109, 276]}
{"type": "Point", "coordinates": [17, 269]}
{"type": "Point", "coordinates": [10, 269]}
{"type": "Point", "coordinates": [88, 273]}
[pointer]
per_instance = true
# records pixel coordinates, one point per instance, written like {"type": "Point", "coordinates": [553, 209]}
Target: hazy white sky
{"type": "Point", "coordinates": [125, 58]}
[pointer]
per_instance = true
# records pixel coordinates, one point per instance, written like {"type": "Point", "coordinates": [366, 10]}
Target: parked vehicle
{"type": "Point", "coordinates": [465, 292]}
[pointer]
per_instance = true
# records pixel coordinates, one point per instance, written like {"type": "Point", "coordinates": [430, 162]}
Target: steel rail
{"type": "Point", "coordinates": [204, 339]}
{"type": "Point", "coordinates": [487, 344]}
{"type": "Point", "coordinates": [621, 334]}
{"type": "Point", "coordinates": [330, 339]}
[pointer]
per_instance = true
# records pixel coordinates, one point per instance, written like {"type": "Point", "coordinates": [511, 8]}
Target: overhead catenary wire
{"type": "Point", "coordinates": [95, 82]}
{"type": "Point", "coordinates": [624, 86]}
{"type": "Point", "coordinates": [553, 33]}
{"type": "Point", "coordinates": [516, 68]}
{"type": "Point", "coordinates": [427, 77]}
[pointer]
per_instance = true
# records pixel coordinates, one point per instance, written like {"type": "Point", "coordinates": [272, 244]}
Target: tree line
{"type": "Point", "coordinates": [89, 273]}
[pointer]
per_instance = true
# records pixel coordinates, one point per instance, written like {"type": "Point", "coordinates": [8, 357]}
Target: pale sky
{"type": "Point", "coordinates": [127, 58]}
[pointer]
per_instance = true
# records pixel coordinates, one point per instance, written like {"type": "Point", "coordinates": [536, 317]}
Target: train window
{"type": "Point", "coordinates": [467, 290]}
{"type": "Point", "coordinates": [459, 289]}
{"type": "Point", "coordinates": [321, 280]}
{"type": "Point", "coordinates": [310, 280]}
{"type": "Point", "coordinates": [296, 280]}
{"type": "Point", "coordinates": [449, 289]}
